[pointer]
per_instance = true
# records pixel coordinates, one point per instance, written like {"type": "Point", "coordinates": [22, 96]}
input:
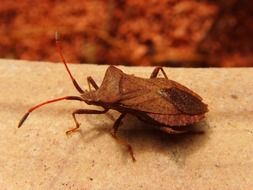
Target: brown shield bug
{"type": "Point", "coordinates": [165, 103]}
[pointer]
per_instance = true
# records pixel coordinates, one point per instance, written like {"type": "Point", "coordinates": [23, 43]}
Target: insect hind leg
{"type": "Point", "coordinates": [156, 71]}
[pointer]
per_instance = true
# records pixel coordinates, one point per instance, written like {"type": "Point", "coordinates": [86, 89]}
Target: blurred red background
{"type": "Point", "coordinates": [189, 33]}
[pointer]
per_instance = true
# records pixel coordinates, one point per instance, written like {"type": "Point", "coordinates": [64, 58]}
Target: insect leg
{"type": "Point", "coordinates": [171, 131]}
{"type": "Point", "coordinates": [91, 81]}
{"type": "Point", "coordinates": [156, 71]}
{"type": "Point", "coordinates": [117, 124]}
{"type": "Point", "coordinates": [83, 111]}
{"type": "Point", "coordinates": [121, 141]}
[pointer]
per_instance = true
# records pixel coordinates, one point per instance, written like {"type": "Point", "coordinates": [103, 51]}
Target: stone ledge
{"type": "Point", "coordinates": [40, 156]}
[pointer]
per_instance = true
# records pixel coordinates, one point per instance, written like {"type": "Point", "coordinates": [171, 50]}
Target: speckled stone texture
{"type": "Point", "coordinates": [40, 156]}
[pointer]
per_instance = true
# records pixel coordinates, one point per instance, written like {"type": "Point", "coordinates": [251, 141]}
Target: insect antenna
{"type": "Point", "coordinates": [45, 103]}
{"type": "Point", "coordinates": [59, 48]}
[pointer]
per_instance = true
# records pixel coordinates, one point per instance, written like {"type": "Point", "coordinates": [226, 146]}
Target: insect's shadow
{"type": "Point", "coordinates": [144, 138]}
{"type": "Point", "coordinates": [176, 146]}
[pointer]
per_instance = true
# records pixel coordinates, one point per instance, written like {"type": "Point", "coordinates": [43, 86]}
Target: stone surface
{"type": "Point", "coordinates": [40, 156]}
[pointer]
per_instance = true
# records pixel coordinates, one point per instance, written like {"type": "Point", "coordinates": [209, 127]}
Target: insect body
{"type": "Point", "coordinates": [157, 100]}
{"type": "Point", "coordinates": [160, 101]}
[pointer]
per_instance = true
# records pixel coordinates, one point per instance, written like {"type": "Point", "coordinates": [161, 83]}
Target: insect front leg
{"type": "Point", "coordinates": [83, 111]}
{"type": "Point", "coordinates": [91, 81]}
{"type": "Point", "coordinates": [121, 141]}
{"type": "Point", "coordinates": [156, 71]}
